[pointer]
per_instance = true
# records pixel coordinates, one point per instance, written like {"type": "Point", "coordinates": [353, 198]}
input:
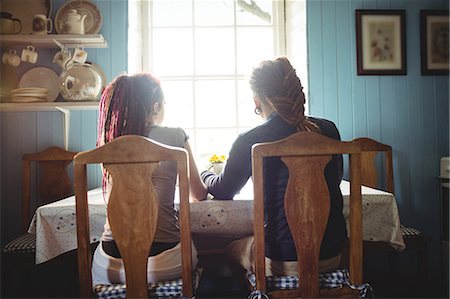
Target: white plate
{"type": "Point", "coordinates": [42, 77]}
{"type": "Point", "coordinates": [93, 21]}
{"type": "Point", "coordinates": [24, 10]}
{"type": "Point", "coordinates": [27, 100]}
{"type": "Point", "coordinates": [29, 89]}
{"type": "Point", "coordinates": [30, 94]}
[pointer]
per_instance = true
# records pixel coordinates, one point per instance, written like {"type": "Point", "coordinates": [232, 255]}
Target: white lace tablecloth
{"type": "Point", "coordinates": [55, 224]}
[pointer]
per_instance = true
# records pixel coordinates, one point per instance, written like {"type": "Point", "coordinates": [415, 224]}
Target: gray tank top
{"type": "Point", "coordinates": [164, 180]}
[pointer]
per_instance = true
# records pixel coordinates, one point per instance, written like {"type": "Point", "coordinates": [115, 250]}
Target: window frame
{"type": "Point", "coordinates": [283, 45]}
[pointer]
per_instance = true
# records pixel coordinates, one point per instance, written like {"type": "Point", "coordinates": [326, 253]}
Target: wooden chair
{"type": "Point", "coordinates": [54, 184]}
{"type": "Point", "coordinates": [132, 209]}
{"type": "Point", "coordinates": [415, 240]}
{"type": "Point", "coordinates": [307, 206]}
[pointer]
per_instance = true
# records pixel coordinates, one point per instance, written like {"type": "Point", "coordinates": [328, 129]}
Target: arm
{"type": "Point", "coordinates": [197, 188]}
{"type": "Point", "coordinates": [236, 173]}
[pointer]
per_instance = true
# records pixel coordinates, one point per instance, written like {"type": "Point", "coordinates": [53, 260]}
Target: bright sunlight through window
{"type": "Point", "coordinates": [204, 51]}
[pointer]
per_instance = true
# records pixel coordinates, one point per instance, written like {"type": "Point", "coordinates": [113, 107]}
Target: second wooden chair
{"type": "Point", "coordinates": [307, 205]}
{"type": "Point", "coordinates": [415, 240]}
{"type": "Point", "coordinates": [54, 184]}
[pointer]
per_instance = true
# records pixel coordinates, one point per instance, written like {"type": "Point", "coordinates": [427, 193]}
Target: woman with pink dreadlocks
{"type": "Point", "coordinates": [134, 105]}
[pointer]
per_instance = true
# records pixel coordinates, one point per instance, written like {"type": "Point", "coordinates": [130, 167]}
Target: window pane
{"type": "Point", "coordinates": [214, 51]}
{"type": "Point", "coordinates": [213, 12]}
{"type": "Point", "coordinates": [259, 13]}
{"type": "Point", "coordinates": [179, 109]}
{"type": "Point", "coordinates": [173, 52]}
{"type": "Point", "coordinates": [254, 44]}
{"type": "Point", "coordinates": [246, 106]}
{"type": "Point", "coordinates": [214, 141]}
{"type": "Point", "coordinates": [215, 104]}
{"type": "Point", "coordinates": [172, 12]}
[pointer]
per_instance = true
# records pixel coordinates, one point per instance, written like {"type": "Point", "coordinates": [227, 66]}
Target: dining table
{"type": "Point", "coordinates": [54, 224]}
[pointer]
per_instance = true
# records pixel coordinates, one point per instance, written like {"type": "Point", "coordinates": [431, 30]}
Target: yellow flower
{"type": "Point", "coordinates": [217, 159]}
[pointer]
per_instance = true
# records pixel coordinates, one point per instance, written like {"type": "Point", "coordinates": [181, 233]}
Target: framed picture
{"type": "Point", "coordinates": [381, 42]}
{"type": "Point", "coordinates": [434, 41]}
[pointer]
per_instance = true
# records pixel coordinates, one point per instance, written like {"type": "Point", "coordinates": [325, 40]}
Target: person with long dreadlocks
{"type": "Point", "coordinates": [134, 105]}
{"type": "Point", "coordinates": [279, 99]}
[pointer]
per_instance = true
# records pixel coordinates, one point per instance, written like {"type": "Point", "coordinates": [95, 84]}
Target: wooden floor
{"type": "Point", "coordinates": [58, 278]}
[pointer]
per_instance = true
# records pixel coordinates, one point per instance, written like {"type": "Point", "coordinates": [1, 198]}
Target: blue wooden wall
{"type": "Point", "coordinates": [411, 113]}
{"type": "Point", "coordinates": [26, 132]}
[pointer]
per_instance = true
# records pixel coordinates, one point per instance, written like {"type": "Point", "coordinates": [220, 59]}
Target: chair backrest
{"type": "Point", "coordinates": [307, 205]}
{"type": "Point", "coordinates": [370, 176]}
{"type": "Point", "coordinates": [132, 208]}
{"type": "Point", "coordinates": [54, 183]}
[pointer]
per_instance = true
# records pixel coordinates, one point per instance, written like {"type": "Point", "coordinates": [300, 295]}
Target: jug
{"type": "Point", "coordinates": [72, 23]}
{"type": "Point", "coordinates": [8, 24]}
{"type": "Point", "coordinates": [80, 82]}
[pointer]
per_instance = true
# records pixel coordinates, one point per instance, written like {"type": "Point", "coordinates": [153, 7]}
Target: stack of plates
{"type": "Point", "coordinates": [29, 95]}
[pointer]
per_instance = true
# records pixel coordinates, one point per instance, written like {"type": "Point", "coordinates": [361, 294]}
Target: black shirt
{"type": "Point", "coordinates": [238, 169]}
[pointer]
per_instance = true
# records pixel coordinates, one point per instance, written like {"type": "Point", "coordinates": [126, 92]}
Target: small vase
{"type": "Point", "coordinates": [216, 167]}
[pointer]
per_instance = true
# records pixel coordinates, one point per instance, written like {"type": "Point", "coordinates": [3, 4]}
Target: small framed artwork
{"type": "Point", "coordinates": [434, 41]}
{"type": "Point", "coordinates": [381, 42]}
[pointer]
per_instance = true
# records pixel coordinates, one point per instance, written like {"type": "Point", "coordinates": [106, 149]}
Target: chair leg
{"type": "Point", "coordinates": [393, 263]}
{"type": "Point", "coordinates": [422, 266]}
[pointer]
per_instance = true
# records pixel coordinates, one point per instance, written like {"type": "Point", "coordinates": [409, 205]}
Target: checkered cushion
{"type": "Point", "coordinates": [26, 243]}
{"type": "Point", "coordinates": [166, 289]}
{"type": "Point", "coordinates": [335, 279]}
{"type": "Point", "coordinates": [408, 232]}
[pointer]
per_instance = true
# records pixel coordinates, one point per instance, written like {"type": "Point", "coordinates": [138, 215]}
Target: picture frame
{"type": "Point", "coordinates": [434, 34]}
{"type": "Point", "coordinates": [380, 42]}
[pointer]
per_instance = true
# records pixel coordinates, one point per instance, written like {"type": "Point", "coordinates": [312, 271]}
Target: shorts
{"type": "Point", "coordinates": [162, 267]}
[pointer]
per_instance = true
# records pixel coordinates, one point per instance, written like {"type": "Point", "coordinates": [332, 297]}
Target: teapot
{"type": "Point", "coordinates": [72, 23]}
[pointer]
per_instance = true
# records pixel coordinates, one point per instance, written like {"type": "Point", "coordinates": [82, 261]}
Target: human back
{"type": "Point", "coordinates": [134, 105]}
{"type": "Point", "coordinates": [279, 99]}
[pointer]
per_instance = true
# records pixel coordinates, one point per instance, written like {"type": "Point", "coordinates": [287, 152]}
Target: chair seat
{"type": "Point", "coordinates": [408, 232]}
{"type": "Point", "coordinates": [166, 289]}
{"type": "Point", "coordinates": [26, 243]}
{"type": "Point", "coordinates": [334, 279]}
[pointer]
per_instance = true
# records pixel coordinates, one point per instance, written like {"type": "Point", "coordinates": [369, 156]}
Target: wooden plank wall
{"type": "Point", "coordinates": [26, 132]}
{"type": "Point", "coordinates": [411, 112]}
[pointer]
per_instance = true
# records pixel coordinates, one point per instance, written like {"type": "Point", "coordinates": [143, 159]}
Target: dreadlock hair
{"type": "Point", "coordinates": [126, 106]}
{"type": "Point", "coordinates": [276, 83]}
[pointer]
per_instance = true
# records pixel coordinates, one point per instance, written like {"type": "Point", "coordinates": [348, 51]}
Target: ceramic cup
{"type": "Point", "coordinates": [62, 57]}
{"type": "Point", "coordinates": [79, 55]}
{"type": "Point", "coordinates": [11, 58]}
{"type": "Point", "coordinates": [42, 25]}
{"type": "Point", "coordinates": [29, 55]}
{"type": "Point", "coordinates": [8, 24]}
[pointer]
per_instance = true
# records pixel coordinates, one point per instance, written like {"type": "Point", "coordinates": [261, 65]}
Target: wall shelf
{"type": "Point", "coordinates": [48, 106]}
{"type": "Point", "coordinates": [46, 41]}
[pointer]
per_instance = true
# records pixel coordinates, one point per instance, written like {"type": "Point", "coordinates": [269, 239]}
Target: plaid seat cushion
{"type": "Point", "coordinates": [166, 289]}
{"type": "Point", "coordinates": [335, 279]}
{"type": "Point", "coordinates": [26, 243]}
{"type": "Point", "coordinates": [408, 232]}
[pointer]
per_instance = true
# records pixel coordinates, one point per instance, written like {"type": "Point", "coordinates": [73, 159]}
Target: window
{"type": "Point", "coordinates": [204, 51]}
